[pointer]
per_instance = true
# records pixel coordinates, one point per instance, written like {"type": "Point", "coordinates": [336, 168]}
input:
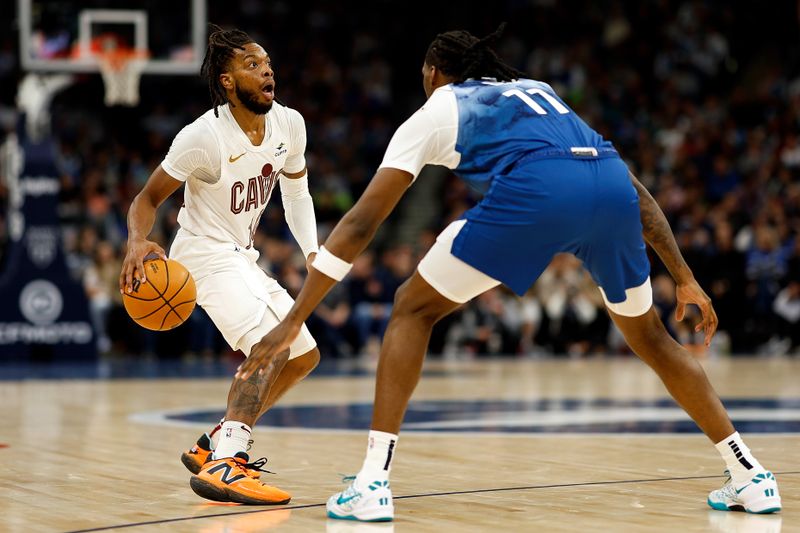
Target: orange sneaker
{"type": "Point", "coordinates": [194, 458]}
{"type": "Point", "coordinates": [197, 455]}
{"type": "Point", "coordinates": [227, 480]}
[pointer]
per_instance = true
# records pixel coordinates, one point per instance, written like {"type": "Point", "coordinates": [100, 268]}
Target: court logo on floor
{"type": "Point", "coordinates": [519, 416]}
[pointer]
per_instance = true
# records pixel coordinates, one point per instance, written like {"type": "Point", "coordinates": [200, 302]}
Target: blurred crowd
{"type": "Point", "coordinates": [708, 121]}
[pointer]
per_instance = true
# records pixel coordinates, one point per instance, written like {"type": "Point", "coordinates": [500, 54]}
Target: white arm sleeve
{"type": "Point", "coordinates": [428, 137]}
{"type": "Point", "coordinates": [298, 209]}
{"type": "Point", "coordinates": [194, 152]}
{"type": "Point", "coordinates": [296, 160]}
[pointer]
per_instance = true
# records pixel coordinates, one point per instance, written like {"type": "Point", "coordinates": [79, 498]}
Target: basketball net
{"type": "Point", "coordinates": [121, 69]}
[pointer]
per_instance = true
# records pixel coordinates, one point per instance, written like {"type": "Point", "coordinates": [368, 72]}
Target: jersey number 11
{"type": "Point", "coordinates": [558, 106]}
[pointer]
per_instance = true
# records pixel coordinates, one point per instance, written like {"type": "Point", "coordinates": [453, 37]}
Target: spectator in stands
{"type": "Point", "coordinates": [787, 310]}
{"type": "Point", "coordinates": [100, 281]}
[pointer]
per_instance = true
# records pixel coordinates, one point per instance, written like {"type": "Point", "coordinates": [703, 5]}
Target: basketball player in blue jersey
{"type": "Point", "coordinates": [551, 184]}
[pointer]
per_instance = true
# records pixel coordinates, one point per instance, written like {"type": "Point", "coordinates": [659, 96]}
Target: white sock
{"type": "Point", "coordinates": [233, 438]}
{"type": "Point", "coordinates": [380, 453]}
{"type": "Point", "coordinates": [741, 463]}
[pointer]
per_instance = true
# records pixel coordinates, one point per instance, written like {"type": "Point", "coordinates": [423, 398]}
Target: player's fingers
{"type": "Point", "coordinates": [707, 324]}
{"type": "Point", "coordinates": [159, 251]}
{"type": "Point", "coordinates": [680, 311]}
{"type": "Point", "coordinates": [128, 277]}
{"type": "Point", "coordinates": [707, 330]}
{"type": "Point", "coordinates": [711, 327]}
{"type": "Point", "coordinates": [122, 273]}
{"type": "Point", "coordinates": [244, 373]}
{"type": "Point", "coordinates": [703, 324]}
{"type": "Point", "coordinates": [251, 364]}
{"type": "Point", "coordinates": [712, 317]}
{"type": "Point", "coordinates": [709, 335]}
{"type": "Point", "coordinates": [244, 370]}
{"type": "Point", "coordinates": [240, 370]}
{"type": "Point", "coordinates": [140, 268]}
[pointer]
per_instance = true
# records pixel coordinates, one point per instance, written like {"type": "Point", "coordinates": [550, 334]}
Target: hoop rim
{"type": "Point", "coordinates": [117, 58]}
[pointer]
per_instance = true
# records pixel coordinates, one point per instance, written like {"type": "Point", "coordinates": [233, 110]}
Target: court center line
{"type": "Point", "coordinates": [425, 495]}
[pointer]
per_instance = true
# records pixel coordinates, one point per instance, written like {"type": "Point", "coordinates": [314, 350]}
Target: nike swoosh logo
{"type": "Point", "coordinates": [739, 491]}
{"type": "Point", "coordinates": [232, 159]}
{"type": "Point", "coordinates": [342, 501]}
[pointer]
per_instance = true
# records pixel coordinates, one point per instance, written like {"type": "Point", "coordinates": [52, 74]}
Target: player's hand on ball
{"type": "Point", "coordinates": [133, 265]}
{"type": "Point", "coordinates": [691, 293]}
{"type": "Point", "coordinates": [271, 346]}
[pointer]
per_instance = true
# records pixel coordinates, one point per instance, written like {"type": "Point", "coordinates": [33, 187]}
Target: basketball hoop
{"type": "Point", "coordinates": [121, 69]}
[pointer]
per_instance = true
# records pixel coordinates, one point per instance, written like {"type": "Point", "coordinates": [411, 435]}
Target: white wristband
{"type": "Point", "coordinates": [330, 265]}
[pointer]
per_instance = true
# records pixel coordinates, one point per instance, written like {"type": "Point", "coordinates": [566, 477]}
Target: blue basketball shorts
{"type": "Point", "coordinates": [544, 206]}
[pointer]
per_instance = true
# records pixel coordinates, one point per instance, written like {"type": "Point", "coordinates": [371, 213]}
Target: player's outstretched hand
{"type": "Point", "coordinates": [691, 293]}
{"type": "Point", "coordinates": [138, 249]}
{"type": "Point", "coordinates": [273, 344]}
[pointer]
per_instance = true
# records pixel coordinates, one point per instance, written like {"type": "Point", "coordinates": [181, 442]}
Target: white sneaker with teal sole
{"type": "Point", "coordinates": [759, 496]}
{"type": "Point", "coordinates": [372, 503]}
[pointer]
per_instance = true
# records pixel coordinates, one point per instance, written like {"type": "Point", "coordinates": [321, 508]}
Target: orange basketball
{"type": "Point", "coordinates": [165, 300]}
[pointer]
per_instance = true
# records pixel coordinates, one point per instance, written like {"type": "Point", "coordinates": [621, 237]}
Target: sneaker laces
{"type": "Point", "coordinates": [728, 490]}
{"type": "Point", "coordinates": [350, 491]}
{"type": "Point", "coordinates": [258, 465]}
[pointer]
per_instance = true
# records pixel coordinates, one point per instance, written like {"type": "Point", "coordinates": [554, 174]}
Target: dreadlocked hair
{"type": "Point", "coordinates": [462, 55]}
{"type": "Point", "coordinates": [222, 45]}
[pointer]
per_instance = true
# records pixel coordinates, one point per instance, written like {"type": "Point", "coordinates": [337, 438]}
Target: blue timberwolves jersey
{"type": "Point", "coordinates": [501, 122]}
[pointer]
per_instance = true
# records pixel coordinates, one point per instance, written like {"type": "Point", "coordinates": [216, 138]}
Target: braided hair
{"type": "Point", "coordinates": [462, 55]}
{"type": "Point", "coordinates": [222, 45]}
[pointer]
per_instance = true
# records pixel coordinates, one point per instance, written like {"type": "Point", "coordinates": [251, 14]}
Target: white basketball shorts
{"type": "Point", "coordinates": [242, 300]}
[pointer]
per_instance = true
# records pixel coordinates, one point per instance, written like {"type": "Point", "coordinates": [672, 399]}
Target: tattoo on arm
{"type": "Point", "coordinates": [658, 234]}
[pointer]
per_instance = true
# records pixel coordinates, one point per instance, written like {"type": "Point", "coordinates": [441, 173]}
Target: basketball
{"type": "Point", "coordinates": [165, 300]}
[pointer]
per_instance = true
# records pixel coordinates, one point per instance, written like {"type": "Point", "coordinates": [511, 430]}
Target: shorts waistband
{"type": "Point", "coordinates": [580, 153]}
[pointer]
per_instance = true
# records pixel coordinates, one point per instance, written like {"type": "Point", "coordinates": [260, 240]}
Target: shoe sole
{"type": "Point", "coordinates": [209, 491]}
{"type": "Point", "coordinates": [355, 519]}
{"type": "Point", "coordinates": [190, 464]}
{"type": "Point", "coordinates": [766, 511]}
{"type": "Point", "coordinates": [719, 506]}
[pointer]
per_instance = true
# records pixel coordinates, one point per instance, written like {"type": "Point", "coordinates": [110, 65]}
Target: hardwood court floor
{"type": "Point", "coordinates": [99, 455]}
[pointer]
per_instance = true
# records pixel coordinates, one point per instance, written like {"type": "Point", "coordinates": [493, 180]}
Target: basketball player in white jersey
{"type": "Point", "coordinates": [231, 159]}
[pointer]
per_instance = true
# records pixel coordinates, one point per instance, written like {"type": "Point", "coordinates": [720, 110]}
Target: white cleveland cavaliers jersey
{"type": "Point", "coordinates": [229, 180]}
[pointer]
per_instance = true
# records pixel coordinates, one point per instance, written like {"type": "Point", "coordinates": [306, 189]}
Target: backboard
{"type": "Point", "coordinates": [65, 36]}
